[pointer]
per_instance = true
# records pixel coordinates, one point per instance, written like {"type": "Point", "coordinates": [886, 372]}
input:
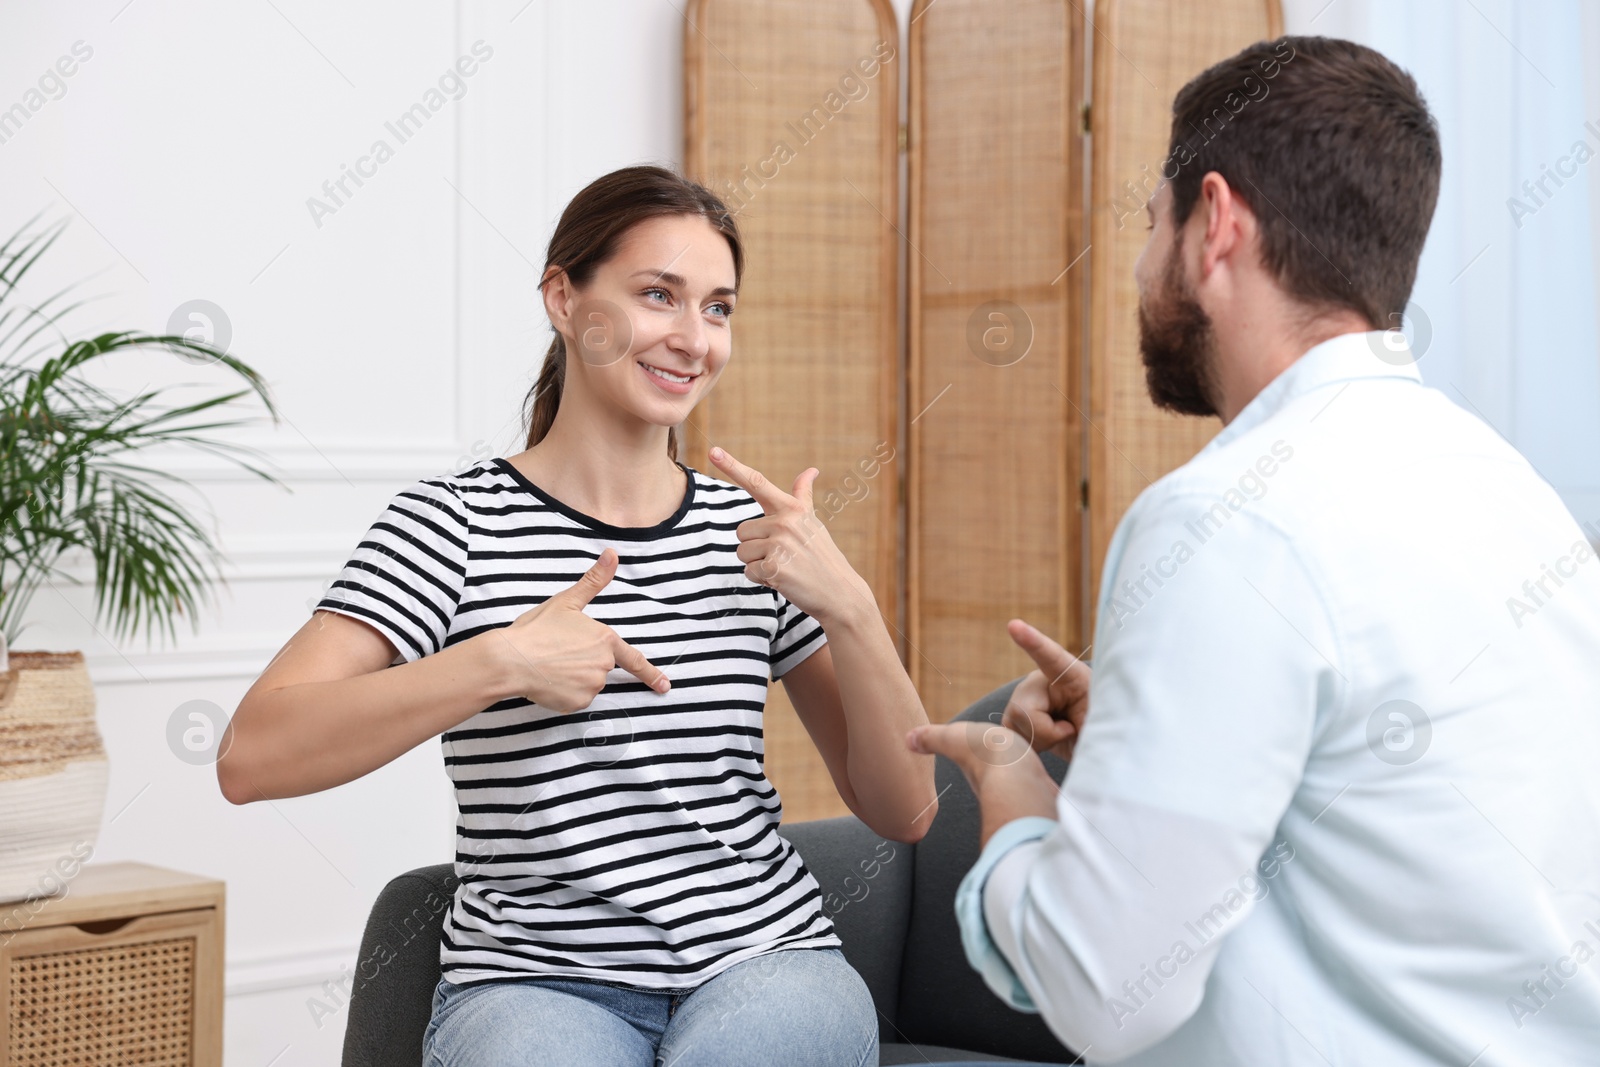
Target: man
{"type": "Point", "coordinates": [1334, 792]}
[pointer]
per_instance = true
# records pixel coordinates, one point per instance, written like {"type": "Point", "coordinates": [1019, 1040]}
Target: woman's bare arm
{"type": "Point", "coordinates": [853, 695]}
{"type": "Point", "coordinates": [858, 705]}
{"type": "Point", "coordinates": [328, 709]}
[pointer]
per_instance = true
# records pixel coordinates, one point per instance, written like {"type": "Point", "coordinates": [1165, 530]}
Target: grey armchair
{"type": "Point", "coordinates": [891, 903]}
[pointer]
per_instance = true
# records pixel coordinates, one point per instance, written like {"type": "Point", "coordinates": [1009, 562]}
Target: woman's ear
{"type": "Point", "coordinates": [559, 299]}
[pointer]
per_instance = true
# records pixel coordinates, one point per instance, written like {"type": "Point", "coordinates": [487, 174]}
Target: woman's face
{"type": "Point", "coordinates": [649, 333]}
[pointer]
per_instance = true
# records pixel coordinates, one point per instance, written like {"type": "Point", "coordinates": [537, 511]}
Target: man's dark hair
{"type": "Point", "coordinates": [1332, 147]}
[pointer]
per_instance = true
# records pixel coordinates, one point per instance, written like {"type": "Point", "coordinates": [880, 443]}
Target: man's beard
{"type": "Point", "coordinates": [1177, 344]}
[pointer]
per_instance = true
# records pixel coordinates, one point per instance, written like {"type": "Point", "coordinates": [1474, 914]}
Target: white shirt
{"type": "Point", "coordinates": [1337, 800]}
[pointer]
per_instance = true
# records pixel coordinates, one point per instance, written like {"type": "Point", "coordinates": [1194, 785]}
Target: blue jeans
{"type": "Point", "coordinates": [806, 1007]}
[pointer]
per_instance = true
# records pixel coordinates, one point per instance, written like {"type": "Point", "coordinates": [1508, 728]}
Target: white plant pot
{"type": "Point", "coordinates": [52, 772]}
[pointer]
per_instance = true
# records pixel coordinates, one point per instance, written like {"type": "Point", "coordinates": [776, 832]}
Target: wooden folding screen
{"type": "Point", "coordinates": [995, 296]}
{"type": "Point", "coordinates": [1145, 50]}
{"type": "Point", "coordinates": [996, 229]}
{"type": "Point", "coordinates": [792, 116]}
{"type": "Point", "coordinates": [1027, 431]}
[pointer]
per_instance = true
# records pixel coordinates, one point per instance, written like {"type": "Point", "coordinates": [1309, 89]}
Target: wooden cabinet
{"type": "Point", "coordinates": [123, 967]}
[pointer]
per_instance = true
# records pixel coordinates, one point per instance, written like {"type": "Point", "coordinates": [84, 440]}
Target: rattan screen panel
{"type": "Point", "coordinates": [115, 1004]}
{"type": "Point", "coordinates": [1144, 52]}
{"type": "Point", "coordinates": [993, 522]}
{"type": "Point", "coordinates": [792, 117]}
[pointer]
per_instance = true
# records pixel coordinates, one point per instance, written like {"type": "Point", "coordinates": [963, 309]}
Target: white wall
{"type": "Point", "coordinates": [1511, 297]}
{"type": "Point", "coordinates": [399, 337]}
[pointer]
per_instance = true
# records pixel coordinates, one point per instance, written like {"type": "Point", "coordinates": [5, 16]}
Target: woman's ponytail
{"type": "Point", "coordinates": [545, 396]}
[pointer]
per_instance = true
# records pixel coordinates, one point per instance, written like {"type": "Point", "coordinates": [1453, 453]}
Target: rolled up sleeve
{"type": "Point", "coordinates": [985, 954]}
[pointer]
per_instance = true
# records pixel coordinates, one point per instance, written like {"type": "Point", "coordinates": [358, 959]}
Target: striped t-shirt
{"type": "Point", "coordinates": [635, 841]}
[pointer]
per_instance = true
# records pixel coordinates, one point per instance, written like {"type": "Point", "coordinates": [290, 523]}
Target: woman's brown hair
{"type": "Point", "coordinates": [590, 229]}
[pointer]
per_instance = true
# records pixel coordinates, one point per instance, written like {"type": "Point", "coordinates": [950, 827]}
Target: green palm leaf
{"type": "Point", "coordinates": [67, 480]}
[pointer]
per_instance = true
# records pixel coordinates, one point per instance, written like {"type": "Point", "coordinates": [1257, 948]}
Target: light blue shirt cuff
{"type": "Point", "coordinates": [982, 953]}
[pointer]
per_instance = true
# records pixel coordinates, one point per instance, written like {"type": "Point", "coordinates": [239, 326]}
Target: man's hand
{"type": "Point", "coordinates": [1004, 772]}
{"type": "Point", "coordinates": [1045, 713]}
{"type": "Point", "coordinates": [1048, 706]}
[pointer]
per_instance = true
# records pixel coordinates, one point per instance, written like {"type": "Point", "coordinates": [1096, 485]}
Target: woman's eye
{"type": "Point", "coordinates": [657, 292]}
{"type": "Point", "coordinates": [720, 309]}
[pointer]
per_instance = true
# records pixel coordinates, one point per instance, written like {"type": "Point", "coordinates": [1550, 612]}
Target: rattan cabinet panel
{"type": "Point", "coordinates": [104, 975]}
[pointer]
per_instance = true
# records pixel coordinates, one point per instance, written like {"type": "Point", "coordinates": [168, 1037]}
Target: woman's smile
{"type": "Point", "coordinates": [667, 381]}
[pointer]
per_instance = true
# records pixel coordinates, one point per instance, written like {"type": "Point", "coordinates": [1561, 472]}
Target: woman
{"type": "Point", "coordinates": [591, 625]}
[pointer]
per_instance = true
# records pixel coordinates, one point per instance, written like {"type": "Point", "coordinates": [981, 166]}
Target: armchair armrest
{"type": "Point", "coordinates": [392, 996]}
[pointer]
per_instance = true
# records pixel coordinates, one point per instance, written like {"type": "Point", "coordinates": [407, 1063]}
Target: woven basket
{"type": "Point", "coordinates": [52, 769]}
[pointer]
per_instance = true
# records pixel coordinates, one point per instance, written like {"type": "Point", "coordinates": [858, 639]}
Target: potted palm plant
{"type": "Point", "coordinates": [71, 488]}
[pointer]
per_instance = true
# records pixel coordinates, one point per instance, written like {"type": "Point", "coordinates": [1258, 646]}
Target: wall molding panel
{"type": "Point", "coordinates": [380, 462]}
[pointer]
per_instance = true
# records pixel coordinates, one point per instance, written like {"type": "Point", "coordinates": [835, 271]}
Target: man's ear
{"type": "Point", "coordinates": [559, 297]}
{"type": "Point", "coordinates": [1228, 222]}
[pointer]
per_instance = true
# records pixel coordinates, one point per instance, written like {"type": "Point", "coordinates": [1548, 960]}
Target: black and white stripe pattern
{"type": "Point", "coordinates": [634, 841]}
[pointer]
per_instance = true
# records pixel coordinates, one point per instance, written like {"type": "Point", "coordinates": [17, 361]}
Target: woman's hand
{"type": "Point", "coordinates": [788, 548]}
{"type": "Point", "coordinates": [558, 657]}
